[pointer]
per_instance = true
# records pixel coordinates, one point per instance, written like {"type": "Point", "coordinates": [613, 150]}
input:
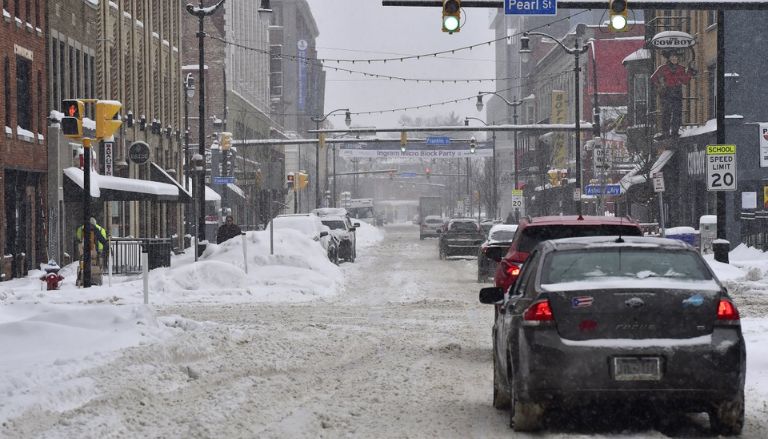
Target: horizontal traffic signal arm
{"type": "Point", "coordinates": [543, 127]}
{"type": "Point", "coordinates": [596, 4]}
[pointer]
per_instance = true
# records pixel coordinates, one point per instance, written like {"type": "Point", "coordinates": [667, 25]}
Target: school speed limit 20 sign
{"type": "Point", "coordinates": [721, 167]}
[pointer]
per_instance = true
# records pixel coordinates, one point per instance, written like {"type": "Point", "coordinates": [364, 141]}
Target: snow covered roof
{"type": "Point", "coordinates": [632, 178]}
{"type": "Point", "coordinates": [110, 188]}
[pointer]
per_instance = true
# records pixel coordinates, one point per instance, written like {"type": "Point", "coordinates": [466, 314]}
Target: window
{"type": "Point", "coordinates": [40, 123]}
{"type": "Point", "coordinates": [23, 93]}
{"type": "Point", "coordinates": [640, 90]}
{"type": "Point", "coordinates": [711, 17]}
{"type": "Point", "coordinates": [62, 70]}
{"type": "Point", "coordinates": [7, 81]}
{"type": "Point", "coordinates": [55, 97]}
{"type": "Point", "coordinates": [72, 77]}
{"type": "Point", "coordinates": [712, 85]}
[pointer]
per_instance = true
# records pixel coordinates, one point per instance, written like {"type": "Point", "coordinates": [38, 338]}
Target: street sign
{"type": "Point", "coordinates": [223, 180]}
{"type": "Point", "coordinates": [658, 182]}
{"type": "Point", "coordinates": [407, 174]}
{"type": "Point", "coordinates": [438, 140]}
{"type": "Point", "coordinates": [596, 189]}
{"type": "Point", "coordinates": [138, 152]}
{"type": "Point", "coordinates": [763, 129]}
{"type": "Point", "coordinates": [108, 158]}
{"type": "Point", "coordinates": [517, 199]}
{"type": "Point", "coordinates": [721, 167]}
{"type": "Point", "coordinates": [530, 7]}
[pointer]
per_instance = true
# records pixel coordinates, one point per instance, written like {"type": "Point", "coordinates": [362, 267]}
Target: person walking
{"type": "Point", "coordinates": [669, 79]}
{"type": "Point", "coordinates": [227, 231]}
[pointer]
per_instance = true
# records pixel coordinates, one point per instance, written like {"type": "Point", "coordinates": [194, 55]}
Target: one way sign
{"type": "Point", "coordinates": [530, 7]}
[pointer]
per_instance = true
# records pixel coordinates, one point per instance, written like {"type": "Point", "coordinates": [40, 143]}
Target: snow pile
{"type": "Point", "coordinates": [744, 263]}
{"type": "Point", "coordinates": [45, 347]}
{"type": "Point", "coordinates": [756, 386]}
{"type": "Point", "coordinates": [367, 235]}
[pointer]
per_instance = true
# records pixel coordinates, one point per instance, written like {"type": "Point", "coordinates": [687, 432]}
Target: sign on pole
{"type": "Point", "coordinates": [530, 7]}
{"type": "Point", "coordinates": [108, 158]}
{"type": "Point", "coordinates": [721, 167]}
{"type": "Point", "coordinates": [517, 199]}
{"type": "Point", "coordinates": [658, 182]}
{"type": "Point", "coordinates": [438, 140]}
{"type": "Point", "coordinates": [763, 129]}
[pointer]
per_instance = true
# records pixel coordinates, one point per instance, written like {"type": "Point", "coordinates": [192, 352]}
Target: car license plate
{"type": "Point", "coordinates": [637, 368]}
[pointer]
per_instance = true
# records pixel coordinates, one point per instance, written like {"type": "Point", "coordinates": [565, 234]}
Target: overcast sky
{"type": "Point", "coordinates": [366, 29]}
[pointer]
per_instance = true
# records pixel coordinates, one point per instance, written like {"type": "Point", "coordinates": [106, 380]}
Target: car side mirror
{"type": "Point", "coordinates": [323, 233]}
{"type": "Point", "coordinates": [356, 225]}
{"type": "Point", "coordinates": [494, 253]}
{"type": "Point", "coordinates": [491, 295]}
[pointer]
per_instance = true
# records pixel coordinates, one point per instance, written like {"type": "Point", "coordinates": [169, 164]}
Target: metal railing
{"type": "Point", "coordinates": [754, 229]}
{"type": "Point", "coordinates": [126, 253]}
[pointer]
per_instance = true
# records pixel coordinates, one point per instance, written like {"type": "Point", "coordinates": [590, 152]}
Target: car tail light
{"type": "Point", "coordinates": [727, 313]}
{"type": "Point", "coordinates": [538, 313]}
{"type": "Point", "coordinates": [511, 268]}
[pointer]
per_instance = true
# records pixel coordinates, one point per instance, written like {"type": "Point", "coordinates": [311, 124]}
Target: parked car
{"type": "Point", "coordinates": [344, 231]}
{"type": "Point", "coordinates": [431, 227]}
{"type": "Point", "coordinates": [462, 236]}
{"type": "Point", "coordinates": [499, 236]}
{"type": "Point", "coordinates": [532, 231]}
{"type": "Point", "coordinates": [310, 225]}
{"type": "Point", "coordinates": [606, 320]}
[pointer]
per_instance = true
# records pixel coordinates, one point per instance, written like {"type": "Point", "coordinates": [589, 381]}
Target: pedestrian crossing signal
{"type": "Point", "coordinates": [72, 122]}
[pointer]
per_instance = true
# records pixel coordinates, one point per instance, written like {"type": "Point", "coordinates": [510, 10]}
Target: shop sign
{"type": "Point", "coordinates": [672, 39]}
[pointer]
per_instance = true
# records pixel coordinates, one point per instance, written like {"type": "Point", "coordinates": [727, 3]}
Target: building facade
{"type": "Point", "coordinates": [23, 165]}
{"type": "Point", "coordinates": [129, 51]}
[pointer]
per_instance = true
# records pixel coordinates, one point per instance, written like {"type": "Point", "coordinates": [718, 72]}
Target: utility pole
{"type": "Point", "coordinates": [201, 12]}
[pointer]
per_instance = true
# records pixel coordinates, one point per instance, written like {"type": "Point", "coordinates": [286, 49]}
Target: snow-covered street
{"type": "Point", "coordinates": [401, 349]}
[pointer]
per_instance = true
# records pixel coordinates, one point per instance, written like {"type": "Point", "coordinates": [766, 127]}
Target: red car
{"type": "Point", "coordinates": [532, 231]}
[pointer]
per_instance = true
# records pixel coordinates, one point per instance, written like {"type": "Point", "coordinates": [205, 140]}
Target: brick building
{"type": "Point", "coordinates": [23, 110]}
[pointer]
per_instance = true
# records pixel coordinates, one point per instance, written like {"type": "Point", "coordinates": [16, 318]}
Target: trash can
{"type": "Point", "coordinates": [685, 234]}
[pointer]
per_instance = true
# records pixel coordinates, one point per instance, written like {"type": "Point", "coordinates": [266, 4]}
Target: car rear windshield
{"type": "Point", "coordinates": [533, 235]}
{"type": "Point", "coordinates": [597, 265]}
{"type": "Point", "coordinates": [433, 221]}
{"type": "Point", "coordinates": [464, 226]}
{"type": "Point", "coordinates": [503, 235]}
{"type": "Point", "coordinates": [334, 225]}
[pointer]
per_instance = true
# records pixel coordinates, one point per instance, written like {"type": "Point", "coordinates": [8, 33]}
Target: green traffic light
{"type": "Point", "coordinates": [450, 23]}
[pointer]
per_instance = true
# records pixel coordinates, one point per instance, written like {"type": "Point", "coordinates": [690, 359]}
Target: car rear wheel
{"type": "Point", "coordinates": [727, 417]}
{"type": "Point", "coordinates": [523, 416]}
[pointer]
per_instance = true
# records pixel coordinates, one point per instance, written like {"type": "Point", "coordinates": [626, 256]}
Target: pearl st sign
{"type": "Point", "coordinates": [721, 167]}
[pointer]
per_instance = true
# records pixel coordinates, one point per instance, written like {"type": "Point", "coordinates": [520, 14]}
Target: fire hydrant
{"type": "Point", "coordinates": [52, 278]}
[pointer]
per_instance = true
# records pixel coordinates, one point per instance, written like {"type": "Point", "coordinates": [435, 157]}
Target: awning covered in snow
{"type": "Point", "coordinates": [110, 188]}
{"type": "Point", "coordinates": [632, 178]}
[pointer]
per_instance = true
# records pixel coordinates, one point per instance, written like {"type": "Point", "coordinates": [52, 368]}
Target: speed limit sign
{"type": "Point", "coordinates": [517, 198]}
{"type": "Point", "coordinates": [721, 167]}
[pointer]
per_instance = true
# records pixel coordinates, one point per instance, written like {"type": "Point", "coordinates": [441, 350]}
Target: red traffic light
{"type": "Point", "coordinates": [72, 110]}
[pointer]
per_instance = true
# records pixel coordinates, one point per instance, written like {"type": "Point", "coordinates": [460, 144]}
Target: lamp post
{"type": "Point", "coordinates": [514, 104]}
{"type": "Point", "coordinates": [189, 93]}
{"type": "Point", "coordinates": [201, 12]}
{"type": "Point", "coordinates": [317, 120]}
{"type": "Point", "coordinates": [576, 51]}
{"type": "Point", "coordinates": [198, 173]}
{"type": "Point", "coordinates": [494, 190]}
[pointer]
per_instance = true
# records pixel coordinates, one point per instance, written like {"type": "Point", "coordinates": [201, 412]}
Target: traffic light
{"type": "Point", "coordinates": [72, 122]}
{"type": "Point", "coordinates": [472, 145]}
{"type": "Point", "coordinates": [303, 180]}
{"type": "Point", "coordinates": [289, 180]}
{"type": "Point", "coordinates": [403, 140]}
{"type": "Point", "coordinates": [428, 173]}
{"type": "Point", "coordinates": [107, 118]}
{"type": "Point", "coordinates": [617, 11]}
{"type": "Point", "coordinates": [451, 16]}
{"type": "Point", "coordinates": [225, 143]}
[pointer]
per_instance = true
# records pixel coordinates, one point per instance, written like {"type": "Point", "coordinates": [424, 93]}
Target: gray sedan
{"type": "Point", "coordinates": [611, 320]}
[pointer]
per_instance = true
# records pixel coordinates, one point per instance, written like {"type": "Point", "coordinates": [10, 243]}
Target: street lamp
{"type": "Point", "coordinates": [495, 195]}
{"type": "Point", "coordinates": [201, 12]}
{"type": "Point", "coordinates": [198, 173]}
{"type": "Point", "coordinates": [514, 104]}
{"type": "Point", "coordinates": [189, 90]}
{"type": "Point", "coordinates": [576, 51]}
{"type": "Point", "coordinates": [317, 120]}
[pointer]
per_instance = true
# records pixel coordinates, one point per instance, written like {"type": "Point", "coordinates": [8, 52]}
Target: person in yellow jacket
{"type": "Point", "coordinates": [99, 234]}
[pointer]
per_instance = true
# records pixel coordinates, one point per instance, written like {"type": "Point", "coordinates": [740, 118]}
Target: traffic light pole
{"type": "Point", "coordinates": [86, 268]}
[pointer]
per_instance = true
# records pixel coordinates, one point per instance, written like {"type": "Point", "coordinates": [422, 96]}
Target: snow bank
{"type": "Point", "coordinates": [367, 235]}
{"type": "Point", "coordinates": [45, 347]}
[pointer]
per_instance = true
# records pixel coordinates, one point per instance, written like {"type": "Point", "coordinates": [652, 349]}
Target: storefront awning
{"type": "Point", "coordinates": [632, 178]}
{"type": "Point", "coordinates": [158, 174]}
{"type": "Point", "coordinates": [236, 190]}
{"type": "Point", "coordinates": [110, 188]}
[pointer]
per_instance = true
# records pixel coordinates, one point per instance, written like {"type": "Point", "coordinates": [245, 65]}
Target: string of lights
{"type": "Point", "coordinates": [314, 62]}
